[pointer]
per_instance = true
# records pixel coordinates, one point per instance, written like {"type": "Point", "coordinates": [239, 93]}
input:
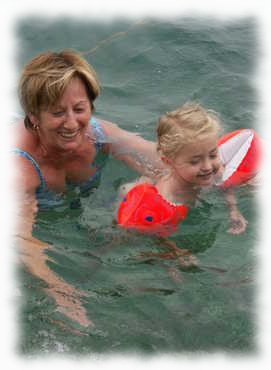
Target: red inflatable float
{"type": "Point", "coordinates": [145, 210]}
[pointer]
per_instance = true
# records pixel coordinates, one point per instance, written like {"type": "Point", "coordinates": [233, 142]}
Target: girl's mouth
{"type": "Point", "coordinates": [206, 175]}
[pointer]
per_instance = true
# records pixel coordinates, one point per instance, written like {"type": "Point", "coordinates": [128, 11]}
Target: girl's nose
{"type": "Point", "coordinates": [206, 165]}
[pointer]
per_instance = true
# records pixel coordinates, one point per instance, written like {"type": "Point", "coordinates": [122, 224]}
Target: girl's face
{"type": "Point", "coordinates": [64, 125]}
{"type": "Point", "coordinates": [197, 163]}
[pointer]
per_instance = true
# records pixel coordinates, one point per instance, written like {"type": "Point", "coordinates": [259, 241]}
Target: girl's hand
{"type": "Point", "coordinates": [237, 220]}
{"type": "Point", "coordinates": [238, 223]}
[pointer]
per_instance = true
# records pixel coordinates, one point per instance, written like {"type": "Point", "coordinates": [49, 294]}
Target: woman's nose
{"type": "Point", "coordinates": [70, 121]}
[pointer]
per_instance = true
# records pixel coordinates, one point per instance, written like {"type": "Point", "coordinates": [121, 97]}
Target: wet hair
{"type": "Point", "coordinates": [185, 125]}
{"type": "Point", "coordinates": [45, 78]}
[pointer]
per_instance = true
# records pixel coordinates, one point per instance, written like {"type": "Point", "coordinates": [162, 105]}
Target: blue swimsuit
{"type": "Point", "coordinates": [47, 197]}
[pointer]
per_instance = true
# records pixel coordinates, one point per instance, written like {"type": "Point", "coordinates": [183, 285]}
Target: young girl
{"type": "Point", "coordinates": [187, 142]}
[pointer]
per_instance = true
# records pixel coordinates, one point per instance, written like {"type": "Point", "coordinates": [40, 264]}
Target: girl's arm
{"type": "Point", "coordinates": [237, 220]}
{"type": "Point", "coordinates": [138, 153]}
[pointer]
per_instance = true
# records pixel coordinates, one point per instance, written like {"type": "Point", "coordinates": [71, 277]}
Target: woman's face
{"type": "Point", "coordinates": [64, 125]}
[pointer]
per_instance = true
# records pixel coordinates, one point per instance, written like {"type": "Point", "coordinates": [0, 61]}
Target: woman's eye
{"type": "Point", "coordinates": [57, 114]}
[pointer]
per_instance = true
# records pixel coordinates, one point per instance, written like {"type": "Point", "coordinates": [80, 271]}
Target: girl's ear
{"type": "Point", "coordinates": [166, 160]}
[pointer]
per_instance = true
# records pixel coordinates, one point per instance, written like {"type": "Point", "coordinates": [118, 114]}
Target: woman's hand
{"type": "Point", "coordinates": [32, 255]}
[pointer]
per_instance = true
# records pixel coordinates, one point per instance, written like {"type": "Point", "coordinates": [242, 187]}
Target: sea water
{"type": "Point", "coordinates": [149, 305]}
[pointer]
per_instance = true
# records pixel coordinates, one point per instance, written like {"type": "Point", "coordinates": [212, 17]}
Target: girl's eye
{"type": "Point", "coordinates": [213, 156]}
{"type": "Point", "coordinates": [194, 162]}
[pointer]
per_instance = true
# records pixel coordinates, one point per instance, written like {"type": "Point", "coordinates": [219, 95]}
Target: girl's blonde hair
{"type": "Point", "coordinates": [45, 77]}
{"type": "Point", "coordinates": [183, 126]}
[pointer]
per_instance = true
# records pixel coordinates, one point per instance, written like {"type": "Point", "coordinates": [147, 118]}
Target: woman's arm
{"type": "Point", "coordinates": [67, 297]}
{"type": "Point", "coordinates": [138, 153]}
{"type": "Point", "coordinates": [32, 251]}
{"type": "Point", "coordinates": [237, 220]}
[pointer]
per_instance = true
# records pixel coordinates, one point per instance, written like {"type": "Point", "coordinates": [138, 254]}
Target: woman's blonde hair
{"type": "Point", "coordinates": [183, 126]}
{"type": "Point", "coordinates": [45, 77]}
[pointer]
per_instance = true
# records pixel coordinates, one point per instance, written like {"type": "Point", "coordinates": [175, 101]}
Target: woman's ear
{"type": "Point", "coordinates": [34, 119]}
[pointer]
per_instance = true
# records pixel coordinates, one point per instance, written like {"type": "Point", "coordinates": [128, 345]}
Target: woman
{"type": "Point", "coordinates": [58, 144]}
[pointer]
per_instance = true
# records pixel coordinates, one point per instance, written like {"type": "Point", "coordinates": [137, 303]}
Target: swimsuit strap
{"type": "Point", "coordinates": [98, 133]}
{"type": "Point", "coordinates": [26, 155]}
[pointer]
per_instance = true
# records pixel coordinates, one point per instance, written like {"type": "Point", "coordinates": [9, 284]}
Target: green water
{"type": "Point", "coordinates": [145, 69]}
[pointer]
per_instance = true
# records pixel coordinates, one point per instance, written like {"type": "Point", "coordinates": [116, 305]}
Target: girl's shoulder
{"type": "Point", "coordinates": [125, 188]}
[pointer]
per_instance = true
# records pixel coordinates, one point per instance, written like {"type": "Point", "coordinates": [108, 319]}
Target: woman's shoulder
{"type": "Point", "coordinates": [25, 177]}
{"type": "Point", "coordinates": [104, 124]}
{"type": "Point", "coordinates": [25, 174]}
{"type": "Point", "coordinates": [111, 129]}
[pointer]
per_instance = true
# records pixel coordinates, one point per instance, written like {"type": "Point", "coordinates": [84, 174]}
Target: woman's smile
{"type": "Point", "coordinates": [69, 135]}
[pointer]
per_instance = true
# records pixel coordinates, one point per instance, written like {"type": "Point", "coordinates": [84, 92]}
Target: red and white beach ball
{"type": "Point", "coordinates": [240, 152]}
